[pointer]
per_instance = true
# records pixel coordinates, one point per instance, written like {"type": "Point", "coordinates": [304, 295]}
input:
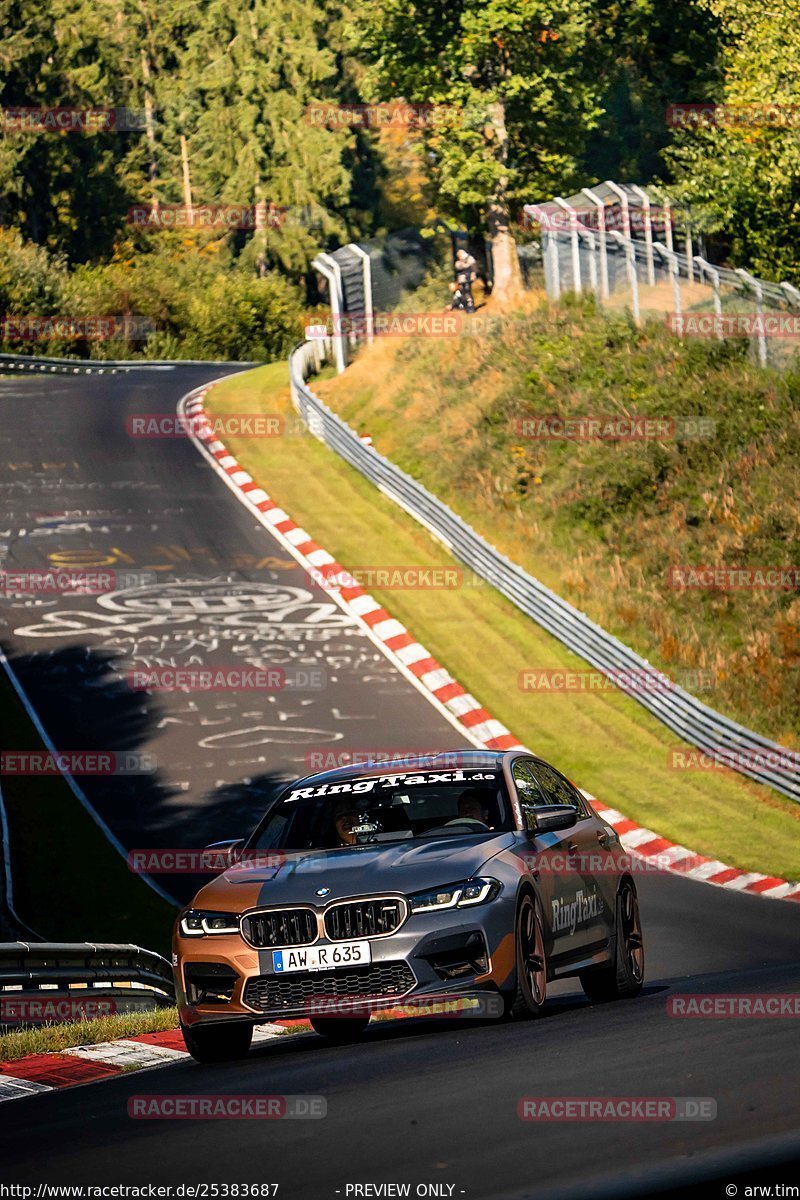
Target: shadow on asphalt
{"type": "Point", "coordinates": [85, 704]}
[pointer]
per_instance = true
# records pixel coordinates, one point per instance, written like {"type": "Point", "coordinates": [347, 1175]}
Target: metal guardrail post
{"type": "Point", "coordinates": [629, 251]}
{"type": "Point", "coordinates": [668, 226]}
{"type": "Point", "coordinates": [622, 196]}
{"type": "Point", "coordinates": [329, 268]}
{"type": "Point", "coordinates": [754, 285]}
{"type": "Point", "coordinates": [601, 237]}
{"type": "Point", "coordinates": [366, 265]}
{"type": "Point", "coordinates": [792, 294]}
{"type": "Point", "coordinates": [648, 233]}
{"type": "Point", "coordinates": [705, 268]}
{"type": "Point", "coordinates": [592, 243]}
{"type": "Point", "coordinates": [573, 234]}
{"type": "Point", "coordinates": [551, 265]}
{"type": "Point", "coordinates": [672, 263]}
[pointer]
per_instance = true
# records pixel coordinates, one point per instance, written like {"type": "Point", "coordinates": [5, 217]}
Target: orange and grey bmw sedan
{"type": "Point", "coordinates": [460, 882]}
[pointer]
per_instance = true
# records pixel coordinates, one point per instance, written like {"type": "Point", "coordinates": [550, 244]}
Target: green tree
{"type": "Point", "coordinates": [743, 176]}
{"type": "Point", "coordinates": [256, 69]}
{"type": "Point", "coordinates": [660, 54]}
{"type": "Point", "coordinates": [515, 91]}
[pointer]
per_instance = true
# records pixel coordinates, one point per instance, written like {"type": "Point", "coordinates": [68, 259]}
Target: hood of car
{"type": "Point", "coordinates": [320, 877]}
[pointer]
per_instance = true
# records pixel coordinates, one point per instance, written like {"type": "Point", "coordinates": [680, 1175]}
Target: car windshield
{"type": "Point", "coordinates": [365, 810]}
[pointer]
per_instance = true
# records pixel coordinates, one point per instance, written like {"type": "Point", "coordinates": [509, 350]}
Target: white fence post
{"type": "Point", "coordinates": [592, 243]}
{"type": "Point", "coordinates": [791, 293]}
{"type": "Point", "coordinates": [573, 235]}
{"type": "Point", "coordinates": [668, 224]}
{"type": "Point", "coordinates": [630, 262]}
{"type": "Point", "coordinates": [623, 199]}
{"type": "Point", "coordinates": [648, 233]}
{"type": "Point", "coordinates": [705, 268]}
{"type": "Point", "coordinates": [672, 263]}
{"type": "Point", "coordinates": [754, 285]}
{"type": "Point", "coordinates": [329, 269]}
{"type": "Point", "coordinates": [601, 237]}
{"type": "Point", "coordinates": [552, 269]}
{"type": "Point", "coordinates": [366, 266]}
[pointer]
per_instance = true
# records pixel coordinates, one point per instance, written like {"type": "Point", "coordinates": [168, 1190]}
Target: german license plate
{"type": "Point", "coordinates": [321, 958]}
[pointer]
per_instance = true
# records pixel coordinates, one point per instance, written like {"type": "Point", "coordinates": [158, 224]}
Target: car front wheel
{"type": "Point", "coordinates": [217, 1043]}
{"type": "Point", "coordinates": [531, 989]}
{"type": "Point", "coordinates": [624, 977]}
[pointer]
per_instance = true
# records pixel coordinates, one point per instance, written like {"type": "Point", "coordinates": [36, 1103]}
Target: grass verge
{"type": "Point", "coordinates": [606, 742]}
{"type": "Point", "coordinates": [50, 1039]}
{"type": "Point", "coordinates": [613, 523]}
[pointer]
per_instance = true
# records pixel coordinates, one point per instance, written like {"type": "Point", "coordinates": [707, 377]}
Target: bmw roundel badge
{"type": "Point", "coordinates": [323, 891]}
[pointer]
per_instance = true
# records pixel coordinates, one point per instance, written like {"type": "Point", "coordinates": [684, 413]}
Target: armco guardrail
{"type": "Point", "coordinates": [134, 977]}
{"type": "Point", "coordinates": [730, 743]}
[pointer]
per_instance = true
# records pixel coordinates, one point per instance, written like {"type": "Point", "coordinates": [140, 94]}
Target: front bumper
{"type": "Point", "coordinates": [432, 959]}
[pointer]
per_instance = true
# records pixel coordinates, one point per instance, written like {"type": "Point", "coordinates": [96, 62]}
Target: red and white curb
{"type": "Point", "coordinates": [38, 1073]}
{"type": "Point", "coordinates": [664, 855]}
{"type": "Point", "coordinates": [435, 682]}
{"type": "Point", "coordinates": [407, 654]}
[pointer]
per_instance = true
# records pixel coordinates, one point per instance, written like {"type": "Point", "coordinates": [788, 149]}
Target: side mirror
{"type": "Point", "coordinates": [230, 849]}
{"type": "Point", "coordinates": [552, 817]}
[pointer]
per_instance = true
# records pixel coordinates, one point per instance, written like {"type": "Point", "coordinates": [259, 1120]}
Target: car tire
{"type": "Point", "coordinates": [339, 1029]}
{"type": "Point", "coordinates": [531, 986]}
{"type": "Point", "coordinates": [624, 977]}
{"type": "Point", "coordinates": [217, 1043]}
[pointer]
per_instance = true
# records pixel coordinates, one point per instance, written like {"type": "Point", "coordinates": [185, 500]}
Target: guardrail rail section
{"type": "Point", "coordinates": [133, 978]}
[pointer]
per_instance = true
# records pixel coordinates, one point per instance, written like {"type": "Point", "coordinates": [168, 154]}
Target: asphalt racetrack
{"type": "Point", "coordinates": [415, 1101]}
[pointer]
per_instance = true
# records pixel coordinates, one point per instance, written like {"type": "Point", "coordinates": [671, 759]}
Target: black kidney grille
{"type": "Point", "coordinates": [284, 927]}
{"type": "Point", "coordinates": [363, 918]}
{"type": "Point", "coordinates": [272, 993]}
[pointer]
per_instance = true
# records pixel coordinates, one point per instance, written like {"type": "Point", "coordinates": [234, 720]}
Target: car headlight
{"type": "Point", "coordinates": [455, 895]}
{"type": "Point", "coordinates": [195, 923]}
